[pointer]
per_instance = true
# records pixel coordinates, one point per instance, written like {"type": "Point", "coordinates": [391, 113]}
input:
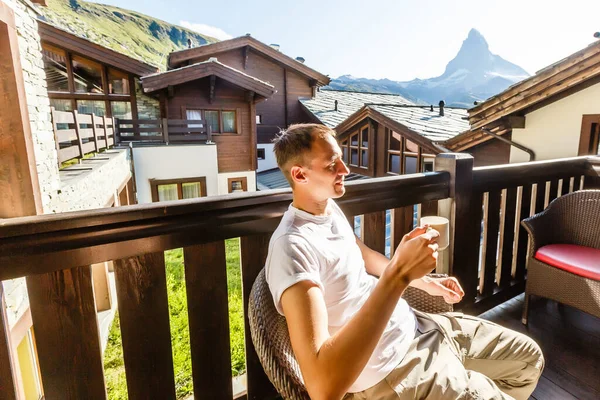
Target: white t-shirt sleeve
{"type": "Point", "coordinates": [291, 260]}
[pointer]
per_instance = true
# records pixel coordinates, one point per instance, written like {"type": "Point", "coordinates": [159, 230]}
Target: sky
{"type": "Point", "coordinates": [398, 40]}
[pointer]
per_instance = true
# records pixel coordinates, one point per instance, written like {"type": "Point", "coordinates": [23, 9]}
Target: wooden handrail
{"type": "Point", "coordinates": [47, 243]}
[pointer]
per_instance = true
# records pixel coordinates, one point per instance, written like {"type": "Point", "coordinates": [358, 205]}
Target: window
{"type": "Point", "coordinates": [177, 189]}
{"type": "Point", "coordinates": [405, 156]}
{"type": "Point", "coordinates": [345, 151]}
{"type": "Point", "coordinates": [61, 104]}
{"type": "Point", "coordinates": [121, 109]}
{"type": "Point", "coordinates": [394, 141]}
{"type": "Point", "coordinates": [118, 82]}
{"type": "Point", "coordinates": [357, 146]}
{"type": "Point", "coordinates": [237, 184]}
{"type": "Point", "coordinates": [259, 119]}
{"type": "Point", "coordinates": [219, 121]}
{"type": "Point", "coordinates": [87, 75]}
{"type": "Point", "coordinates": [589, 141]}
{"type": "Point", "coordinates": [228, 121]}
{"type": "Point", "coordinates": [97, 107]}
{"type": "Point", "coordinates": [194, 115]}
{"type": "Point", "coordinates": [260, 154]}
{"type": "Point", "coordinates": [55, 65]}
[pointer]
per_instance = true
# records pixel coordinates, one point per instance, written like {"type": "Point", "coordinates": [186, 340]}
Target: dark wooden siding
{"type": "Point", "coordinates": [272, 111]}
{"type": "Point", "coordinates": [491, 152]}
{"type": "Point", "coordinates": [235, 151]}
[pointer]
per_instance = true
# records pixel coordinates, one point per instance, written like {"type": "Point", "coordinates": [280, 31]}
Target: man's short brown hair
{"type": "Point", "coordinates": [292, 145]}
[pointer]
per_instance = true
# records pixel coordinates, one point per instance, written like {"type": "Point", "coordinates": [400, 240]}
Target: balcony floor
{"type": "Point", "coordinates": [570, 340]}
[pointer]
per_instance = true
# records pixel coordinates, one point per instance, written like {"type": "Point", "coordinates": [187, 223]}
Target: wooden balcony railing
{"type": "Point", "coordinates": [55, 252]}
{"type": "Point", "coordinates": [79, 134]}
{"type": "Point", "coordinates": [162, 130]}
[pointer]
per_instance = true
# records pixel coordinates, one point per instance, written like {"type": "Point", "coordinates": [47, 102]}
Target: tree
{"type": "Point", "coordinates": [155, 28]}
{"type": "Point", "coordinates": [74, 4]}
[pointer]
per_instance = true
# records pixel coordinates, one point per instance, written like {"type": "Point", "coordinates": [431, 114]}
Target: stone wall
{"type": "Point", "coordinates": [95, 188]}
{"type": "Point", "coordinates": [148, 107]}
{"type": "Point", "coordinates": [38, 103]}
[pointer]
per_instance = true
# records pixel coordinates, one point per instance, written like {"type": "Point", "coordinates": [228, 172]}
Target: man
{"type": "Point", "coordinates": [353, 335]}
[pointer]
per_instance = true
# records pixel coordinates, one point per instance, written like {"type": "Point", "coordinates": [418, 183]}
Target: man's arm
{"type": "Point", "coordinates": [330, 364]}
{"type": "Point", "coordinates": [449, 288]}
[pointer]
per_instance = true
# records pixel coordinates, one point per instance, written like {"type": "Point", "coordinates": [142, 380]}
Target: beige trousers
{"type": "Point", "coordinates": [456, 356]}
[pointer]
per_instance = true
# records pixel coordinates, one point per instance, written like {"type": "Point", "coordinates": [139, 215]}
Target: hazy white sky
{"type": "Point", "coordinates": [399, 40]}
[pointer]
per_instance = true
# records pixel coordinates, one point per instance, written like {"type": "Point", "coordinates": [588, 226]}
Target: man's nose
{"type": "Point", "coordinates": [343, 170]}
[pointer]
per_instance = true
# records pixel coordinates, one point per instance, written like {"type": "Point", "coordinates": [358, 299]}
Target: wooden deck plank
{"type": "Point", "coordinates": [569, 340]}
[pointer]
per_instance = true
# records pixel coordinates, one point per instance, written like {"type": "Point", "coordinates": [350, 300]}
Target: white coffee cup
{"type": "Point", "coordinates": [440, 224]}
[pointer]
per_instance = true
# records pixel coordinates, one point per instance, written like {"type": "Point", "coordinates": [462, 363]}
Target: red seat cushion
{"type": "Point", "coordinates": [578, 260]}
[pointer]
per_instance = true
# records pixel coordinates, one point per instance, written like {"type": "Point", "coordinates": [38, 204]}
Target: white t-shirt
{"type": "Point", "coordinates": [323, 249]}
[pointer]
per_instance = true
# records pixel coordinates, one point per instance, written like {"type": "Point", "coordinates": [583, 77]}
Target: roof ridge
{"type": "Point", "coordinates": [413, 106]}
{"type": "Point", "coordinates": [357, 91]}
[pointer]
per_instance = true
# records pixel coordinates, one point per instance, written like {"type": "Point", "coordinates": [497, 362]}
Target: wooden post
{"type": "Point", "coordinates": [8, 377]}
{"type": "Point", "coordinates": [95, 133]}
{"type": "Point", "coordinates": [68, 341]}
{"type": "Point", "coordinates": [165, 130]}
{"type": "Point", "coordinates": [79, 141]}
{"type": "Point", "coordinates": [116, 133]}
{"type": "Point", "coordinates": [105, 133]}
{"type": "Point", "coordinates": [464, 212]}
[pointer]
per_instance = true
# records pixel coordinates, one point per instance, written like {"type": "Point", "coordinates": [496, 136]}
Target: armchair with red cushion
{"type": "Point", "coordinates": [563, 263]}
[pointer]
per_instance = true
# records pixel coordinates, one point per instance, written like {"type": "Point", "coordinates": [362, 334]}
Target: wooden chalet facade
{"type": "Point", "coordinates": [222, 96]}
{"type": "Point", "coordinates": [383, 134]}
{"type": "Point", "coordinates": [553, 114]}
{"type": "Point", "coordinates": [90, 78]}
{"type": "Point", "coordinates": [291, 78]}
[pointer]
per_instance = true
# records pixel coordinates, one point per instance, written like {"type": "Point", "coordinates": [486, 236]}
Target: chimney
{"type": "Point", "coordinates": [275, 46]}
{"type": "Point", "coordinates": [442, 104]}
{"type": "Point", "coordinates": [335, 104]}
{"type": "Point", "coordinates": [300, 59]}
{"type": "Point", "coordinates": [189, 43]}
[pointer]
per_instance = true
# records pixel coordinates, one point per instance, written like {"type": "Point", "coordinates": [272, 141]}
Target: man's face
{"type": "Point", "coordinates": [326, 172]}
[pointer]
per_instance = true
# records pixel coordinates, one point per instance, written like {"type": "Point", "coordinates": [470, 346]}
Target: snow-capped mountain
{"type": "Point", "coordinates": [473, 75]}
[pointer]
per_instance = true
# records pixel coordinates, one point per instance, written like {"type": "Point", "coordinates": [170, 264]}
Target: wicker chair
{"type": "Point", "coordinates": [573, 219]}
{"type": "Point", "coordinates": [270, 336]}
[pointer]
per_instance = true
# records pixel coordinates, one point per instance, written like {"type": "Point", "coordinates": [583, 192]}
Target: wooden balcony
{"type": "Point", "coordinates": [487, 254]}
{"type": "Point", "coordinates": [153, 131]}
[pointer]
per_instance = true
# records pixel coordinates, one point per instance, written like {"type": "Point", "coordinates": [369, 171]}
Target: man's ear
{"type": "Point", "coordinates": [297, 173]}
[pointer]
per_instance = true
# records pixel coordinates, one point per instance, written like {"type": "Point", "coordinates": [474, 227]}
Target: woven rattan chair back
{"type": "Point", "coordinates": [272, 343]}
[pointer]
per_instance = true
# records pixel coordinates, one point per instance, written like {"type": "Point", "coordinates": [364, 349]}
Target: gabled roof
{"type": "Point", "coordinates": [204, 69]}
{"type": "Point", "coordinates": [177, 57]}
{"type": "Point", "coordinates": [322, 106]}
{"type": "Point", "coordinates": [419, 123]}
{"type": "Point", "coordinates": [58, 37]}
{"type": "Point", "coordinates": [545, 84]}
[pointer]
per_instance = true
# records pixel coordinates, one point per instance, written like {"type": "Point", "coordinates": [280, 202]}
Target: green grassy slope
{"type": "Point", "coordinates": [139, 36]}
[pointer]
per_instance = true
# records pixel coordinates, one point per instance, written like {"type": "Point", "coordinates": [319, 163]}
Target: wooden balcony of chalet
{"type": "Point", "coordinates": [488, 255]}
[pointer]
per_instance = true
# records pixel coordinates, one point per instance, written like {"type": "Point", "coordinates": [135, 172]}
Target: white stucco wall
{"type": "Point", "coordinates": [553, 131]}
{"type": "Point", "coordinates": [250, 177]}
{"type": "Point", "coordinates": [174, 162]}
{"type": "Point", "coordinates": [269, 162]}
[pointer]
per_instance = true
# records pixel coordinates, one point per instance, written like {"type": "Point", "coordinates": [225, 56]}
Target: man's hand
{"type": "Point", "coordinates": [448, 287]}
{"type": "Point", "coordinates": [415, 256]}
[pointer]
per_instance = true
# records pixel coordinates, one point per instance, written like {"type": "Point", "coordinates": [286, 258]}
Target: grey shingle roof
{"type": "Point", "coordinates": [322, 105]}
{"type": "Point", "coordinates": [274, 179]}
{"type": "Point", "coordinates": [425, 122]}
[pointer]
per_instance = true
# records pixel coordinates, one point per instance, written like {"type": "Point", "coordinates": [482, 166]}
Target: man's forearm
{"type": "Point", "coordinates": [340, 359]}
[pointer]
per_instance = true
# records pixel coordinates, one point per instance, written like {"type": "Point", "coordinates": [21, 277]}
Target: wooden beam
{"type": "Point", "coordinates": [245, 52]}
{"type": "Point", "coordinates": [206, 289]}
{"type": "Point", "coordinates": [515, 122]}
{"type": "Point", "coordinates": [68, 341]}
{"type": "Point", "coordinates": [8, 370]}
{"type": "Point", "coordinates": [19, 186]}
{"type": "Point", "coordinates": [213, 80]}
{"type": "Point", "coordinates": [144, 318]}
